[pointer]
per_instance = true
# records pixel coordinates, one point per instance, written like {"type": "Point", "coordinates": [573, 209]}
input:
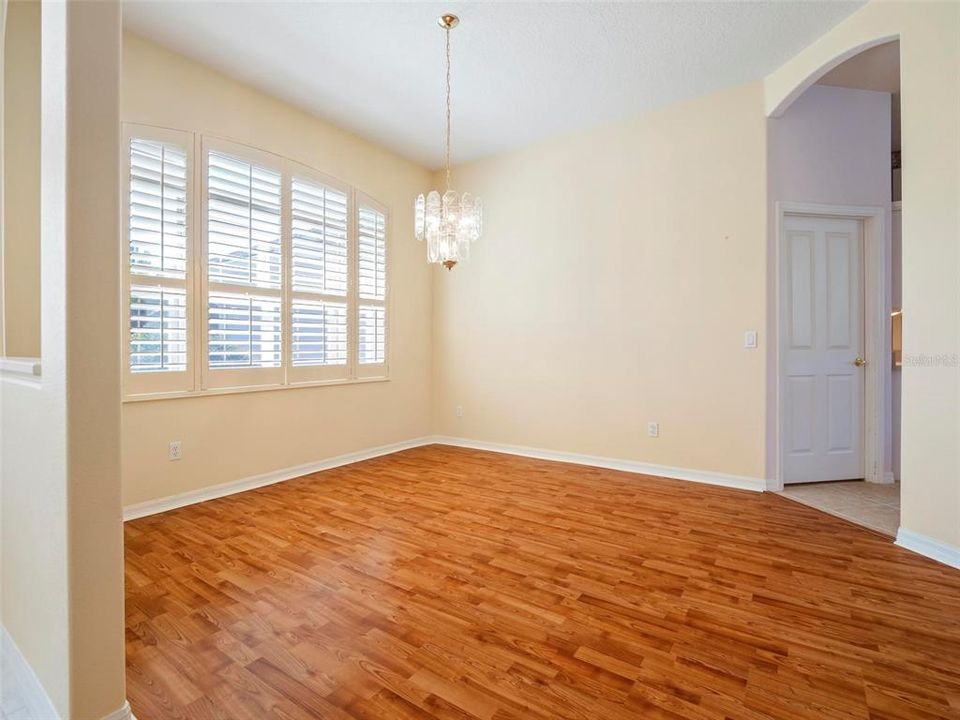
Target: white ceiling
{"type": "Point", "coordinates": [522, 71]}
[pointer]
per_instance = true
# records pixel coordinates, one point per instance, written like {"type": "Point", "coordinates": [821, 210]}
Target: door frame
{"type": "Point", "coordinates": [876, 315]}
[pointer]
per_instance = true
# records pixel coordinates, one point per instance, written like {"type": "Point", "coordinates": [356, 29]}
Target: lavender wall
{"type": "Point", "coordinates": [832, 146]}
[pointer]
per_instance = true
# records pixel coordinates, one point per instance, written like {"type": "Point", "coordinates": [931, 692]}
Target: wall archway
{"type": "Point", "coordinates": [777, 104]}
{"type": "Point", "coordinates": [929, 61]}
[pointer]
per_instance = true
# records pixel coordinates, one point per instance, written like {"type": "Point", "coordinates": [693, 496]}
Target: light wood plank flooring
{"type": "Point", "coordinates": [449, 583]}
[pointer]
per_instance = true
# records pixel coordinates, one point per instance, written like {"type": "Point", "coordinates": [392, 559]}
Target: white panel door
{"type": "Point", "coordinates": [821, 342]}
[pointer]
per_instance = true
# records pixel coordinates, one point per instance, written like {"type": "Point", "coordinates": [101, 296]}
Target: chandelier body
{"type": "Point", "coordinates": [452, 221]}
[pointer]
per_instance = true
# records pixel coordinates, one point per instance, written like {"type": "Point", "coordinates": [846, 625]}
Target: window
{"type": "Point", "coordinates": [157, 223]}
{"type": "Point", "coordinates": [263, 273]}
{"type": "Point", "coordinates": [242, 251]}
{"type": "Point", "coordinates": [372, 282]}
{"type": "Point", "coordinates": [320, 277]}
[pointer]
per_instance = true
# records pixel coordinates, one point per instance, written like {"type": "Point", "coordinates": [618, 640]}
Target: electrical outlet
{"type": "Point", "coordinates": [175, 451]}
{"type": "Point", "coordinates": [653, 429]}
{"type": "Point", "coordinates": [459, 410]}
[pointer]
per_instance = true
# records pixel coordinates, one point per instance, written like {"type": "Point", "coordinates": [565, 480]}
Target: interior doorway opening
{"type": "Point", "coordinates": [835, 160]}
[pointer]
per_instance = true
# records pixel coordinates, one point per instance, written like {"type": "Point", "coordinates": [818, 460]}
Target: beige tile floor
{"type": "Point", "coordinates": [13, 705]}
{"type": "Point", "coordinates": [869, 504]}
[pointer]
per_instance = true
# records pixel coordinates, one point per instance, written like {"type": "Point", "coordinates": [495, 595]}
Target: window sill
{"type": "Point", "coordinates": [179, 394]}
{"type": "Point", "coordinates": [21, 370]}
{"type": "Point", "coordinates": [20, 365]}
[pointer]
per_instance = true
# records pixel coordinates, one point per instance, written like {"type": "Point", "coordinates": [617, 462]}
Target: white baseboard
{"type": "Point", "coordinates": [121, 713]}
{"type": "Point", "coordinates": [171, 502]}
{"type": "Point", "coordinates": [707, 477]}
{"type": "Point", "coordinates": [26, 691]}
{"type": "Point", "coordinates": [152, 507]}
{"type": "Point", "coordinates": [927, 546]}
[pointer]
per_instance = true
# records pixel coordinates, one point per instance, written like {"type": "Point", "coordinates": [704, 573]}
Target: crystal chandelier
{"type": "Point", "coordinates": [452, 221]}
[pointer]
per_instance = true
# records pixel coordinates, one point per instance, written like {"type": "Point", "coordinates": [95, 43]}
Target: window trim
{"type": "Point", "coordinates": [200, 380]}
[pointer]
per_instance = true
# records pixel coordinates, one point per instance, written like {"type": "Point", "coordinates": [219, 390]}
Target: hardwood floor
{"type": "Point", "coordinates": [450, 583]}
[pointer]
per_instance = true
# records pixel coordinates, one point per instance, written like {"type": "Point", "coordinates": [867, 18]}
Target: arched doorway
{"type": "Point", "coordinates": [833, 279]}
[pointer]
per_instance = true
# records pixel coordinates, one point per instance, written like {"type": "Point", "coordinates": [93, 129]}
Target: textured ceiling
{"type": "Point", "coordinates": [521, 71]}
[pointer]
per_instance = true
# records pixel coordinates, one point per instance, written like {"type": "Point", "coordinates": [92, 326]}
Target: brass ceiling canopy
{"type": "Point", "coordinates": [448, 22]}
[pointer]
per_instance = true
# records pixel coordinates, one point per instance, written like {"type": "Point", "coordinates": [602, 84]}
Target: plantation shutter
{"type": "Point", "coordinates": [158, 269]}
{"type": "Point", "coordinates": [372, 253]}
{"type": "Point", "coordinates": [244, 267]}
{"type": "Point", "coordinates": [320, 278]}
{"type": "Point", "coordinates": [371, 289]}
{"type": "Point", "coordinates": [246, 270]}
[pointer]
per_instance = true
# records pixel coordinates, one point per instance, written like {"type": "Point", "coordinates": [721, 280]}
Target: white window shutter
{"type": "Point", "coordinates": [372, 290]}
{"type": "Point", "coordinates": [243, 222]}
{"type": "Point", "coordinates": [158, 209]}
{"type": "Point", "coordinates": [319, 245]}
{"type": "Point", "coordinates": [372, 254]}
{"type": "Point", "coordinates": [158, 329]}
{"type": "Point", "coordinates": [282, 279]}
{"type": "Point", "coordinates": [244, 267]}
{"type": "Point", "coordinates": [157, 225]}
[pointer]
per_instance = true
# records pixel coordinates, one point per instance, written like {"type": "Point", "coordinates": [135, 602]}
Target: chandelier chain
{"type": "Point", "coordinates": [448, 108]}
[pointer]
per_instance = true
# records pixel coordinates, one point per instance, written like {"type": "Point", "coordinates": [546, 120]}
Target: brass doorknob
{"type": "Point", "coordinates": [859, 362]}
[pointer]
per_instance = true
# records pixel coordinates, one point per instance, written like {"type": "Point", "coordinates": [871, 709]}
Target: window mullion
{"type": "Point", "coordinates": [286, 271]}
{"type": "Point", "coordinates": [203, 306]}
{"type": "Point", "coordinates": [353, 279]}
{"type": "Point", "coordinates": [196, 299]}
{"type": "Point", "coordinates": [247, 290]}
{"type": "Point", "coordinates": [312, 296]}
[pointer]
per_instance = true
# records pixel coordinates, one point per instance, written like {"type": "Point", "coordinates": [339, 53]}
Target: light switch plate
{"type": "Point", "coordinates": [750, 339]}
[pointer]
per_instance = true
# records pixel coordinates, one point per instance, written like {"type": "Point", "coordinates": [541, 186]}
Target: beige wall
{"type": "Point", "coordinates": [930, 108]}
{"type": "Point", "coordinates": [676, 193]}
{"type": "Point", "coordinates": [618, 271]}
{"type": "Point", "coordinates": [230, 437]}
{"type": "Point", "coordinates": [33, 544]}
{"type": "Point", "coordinates": [21, 167]}
{"type": "Point", "coordinates": [62, 548]}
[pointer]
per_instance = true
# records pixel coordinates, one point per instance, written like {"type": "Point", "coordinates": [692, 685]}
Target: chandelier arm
{"type": "Point", "coordinates": [448, 107]}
